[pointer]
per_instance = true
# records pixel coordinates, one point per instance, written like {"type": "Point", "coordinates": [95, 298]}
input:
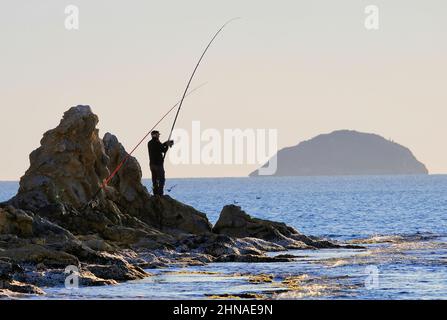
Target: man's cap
{"type": "Point", "coordinates": [155, 132]}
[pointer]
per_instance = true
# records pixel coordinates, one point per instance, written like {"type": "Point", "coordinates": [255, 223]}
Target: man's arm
{"type": "Point", "coordinates": [167, 145]}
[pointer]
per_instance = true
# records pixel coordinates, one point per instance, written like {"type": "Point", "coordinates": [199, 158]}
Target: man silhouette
{"type": "Point", "coordinates": [157, 151]}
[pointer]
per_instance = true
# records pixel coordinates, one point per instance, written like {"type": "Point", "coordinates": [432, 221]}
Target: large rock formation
{"type": "Point", "coordinates": [47, 227]}
{"type": "Point", "coordinates": [69, 167]}
{"type": "Point", "coordinates": [346, 152]}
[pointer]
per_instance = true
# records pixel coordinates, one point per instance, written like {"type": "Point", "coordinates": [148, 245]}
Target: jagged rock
{"type": "Point", "coordinates": [41, 245]}
{"type": "Point", "coordinates": [124, 235]}
{"type": "Point", "coordinates": [57, 277]}
{"type": "Point", "coordinates": [88, 279]}
{"type": "Point", "coordinates": [40, 225]}
{"type": "Point", "coordinates": [15, 222]}
{"type": "Point", "coordinates": [96, 243]}
{"type": "Point", "coordinates": [178, 217]}
{"type": "Point", "coordinates": [11, 288]}
{"type": "Point", "coordinates": [217, 245]}
{"type": "Point", "coordinates": [70, 166]}
{"type": "Point", "coordinates": [235, 222]}
{"type": "Point", "coordinates": [36, 254]}
{"type": "Point", "coordinates": [261, 245]}
{"type": "Point", "coordinates": [119, 270]}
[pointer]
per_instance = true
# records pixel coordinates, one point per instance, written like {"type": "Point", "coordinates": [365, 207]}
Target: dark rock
{"type": "Point", "coordinates": [175, 217]}
{"type": "Point", "coordinates": [70, 166]}
{"type": "Point", "coordinates": [34, 253]}
{"type": "Point", "coordinates": [56, 277]}
{"type": "Point", "coordinates": [251, 258]}
{"type": "Point", "coordinates": [10, 288]}
{"type": "Point", "coordinates": [7, 268]}
{"type": "Point", "coordinates": [120, 270]}
{"type": "Point", "coordinates": [234, 222]}
{"type": "Point", "coordinates": [15, 222]}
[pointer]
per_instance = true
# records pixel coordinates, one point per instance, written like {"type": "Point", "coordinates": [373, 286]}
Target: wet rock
{"type": "Point", "coordinates": [260, 245]}
{"type": "Point", "coordinates": [57, 277]}
{"type": "Point", "coordinates": [12, 287]}
{"type": "Point", "coordinates": [96, 243]}
{"type": "Point", "coordinates": [289, 256]}
{"type": "Point", "coordinates": [260, 278]}
{"type": "Point", "coordinates": [36, 254]}
{"type": "Point", "coordinates": [245, 295]}
{"type": "Point", "coordinates": [250, 258]}
{"type": "Point", "coordinates": [7, 268]}
{"type": "Point", "coordinates": [149, 260]}
{"type": "Point", "coordinates": [122, 271]}
{"type": "Point", "coordinates": [214, 245]}
{"type": "Point", "coordinates": [88, 279]}
{"type": "Point", "coordinates": [235, 222]}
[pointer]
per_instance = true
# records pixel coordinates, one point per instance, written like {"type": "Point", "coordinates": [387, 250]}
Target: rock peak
{"type": "Point", "coordinates": [73, 161]}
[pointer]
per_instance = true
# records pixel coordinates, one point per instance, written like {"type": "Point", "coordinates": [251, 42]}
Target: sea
{"type": "Point", "coordinates": [401, 221]}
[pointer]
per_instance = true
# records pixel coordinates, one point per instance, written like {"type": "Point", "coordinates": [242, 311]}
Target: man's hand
{"type": "Point", "coordinates": [170, 143]}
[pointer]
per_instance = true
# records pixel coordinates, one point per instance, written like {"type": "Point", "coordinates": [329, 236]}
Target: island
{"type": "Point", "coordinates": [346, 152]}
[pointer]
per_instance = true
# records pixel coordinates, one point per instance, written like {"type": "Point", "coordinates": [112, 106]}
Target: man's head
{"type": "Point", "coordinates": [155, 134]}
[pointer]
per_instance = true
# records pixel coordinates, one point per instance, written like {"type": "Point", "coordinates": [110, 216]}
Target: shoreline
{"type": "Point", "coordinates": [315, 274]}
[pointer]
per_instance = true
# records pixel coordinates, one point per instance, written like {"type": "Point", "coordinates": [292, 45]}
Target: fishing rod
{"type": "Point", "coordinates": [123, 161]}
{"type": "Point", "coordinates": [192, 76]}
{"type": "Point", "coordinates": [179, 104]}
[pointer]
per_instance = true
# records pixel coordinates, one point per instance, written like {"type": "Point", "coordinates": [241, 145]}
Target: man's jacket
{"type": "Point", "coordinates": [156, 151]}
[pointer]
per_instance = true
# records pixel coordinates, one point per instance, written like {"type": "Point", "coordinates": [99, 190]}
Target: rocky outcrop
{"type": "Point", "coordinates": [34, 242]}
{"type": "Point", "coordinates": [235, 222]}
{"type": "Point", "coordinates": [70, 166]}
{"type": "Point", "coordinates": [47, 227]}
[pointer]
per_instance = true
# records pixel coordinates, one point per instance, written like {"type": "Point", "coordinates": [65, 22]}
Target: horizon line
{"type": "Point", "coordinates": [247, 176]}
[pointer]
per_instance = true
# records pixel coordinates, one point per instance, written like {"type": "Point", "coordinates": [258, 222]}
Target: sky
{"type": "Point", "coordinates": [300, 67]}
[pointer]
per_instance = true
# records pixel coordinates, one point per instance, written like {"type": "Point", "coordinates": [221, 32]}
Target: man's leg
{"type": "Point", "coordinates": [154, 173]}
{"type": "Point", "coordinates": [161, 180]}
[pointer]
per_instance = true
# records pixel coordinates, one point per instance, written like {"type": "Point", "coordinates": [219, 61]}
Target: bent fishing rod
{"type": "Point", "coordinates": [185, 94]}
{"type": "Point", "coordinates": [192, 76]}
{"type": "Point", "coordinates": [128, 155]}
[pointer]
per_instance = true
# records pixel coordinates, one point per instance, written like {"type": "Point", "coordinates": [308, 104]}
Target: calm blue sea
{"type": "Point", "coordinates": [404, 218]}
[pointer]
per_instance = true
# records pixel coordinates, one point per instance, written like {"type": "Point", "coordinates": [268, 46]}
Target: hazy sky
{"type": "Point", "coordinates": [303, 67]}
